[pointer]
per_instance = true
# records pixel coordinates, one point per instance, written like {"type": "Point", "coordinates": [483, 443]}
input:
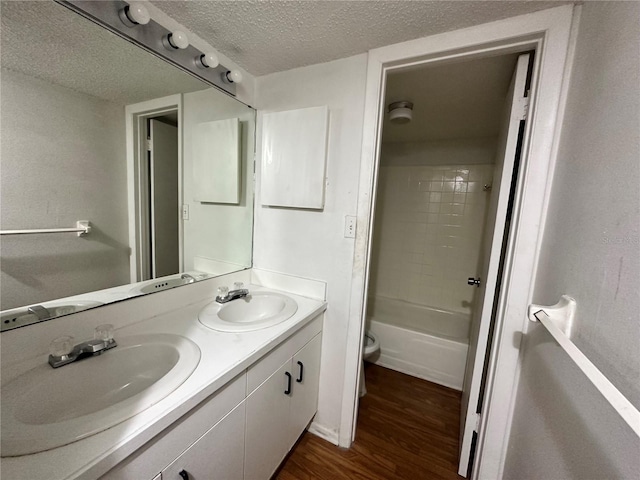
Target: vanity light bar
{"type": "Point", "coordinates": [154, 38]}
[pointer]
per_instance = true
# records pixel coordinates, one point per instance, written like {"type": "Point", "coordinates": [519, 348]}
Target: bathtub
{"type": "Point", "coordinates": [424, 342]}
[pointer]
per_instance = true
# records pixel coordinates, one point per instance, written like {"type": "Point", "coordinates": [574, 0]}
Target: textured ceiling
{"type": "Point", "coordinates": [50, 42]}
{"type": "Point", "coordinates": [456, 100]}
{"type": "Point", "coordinates": [266, 36]}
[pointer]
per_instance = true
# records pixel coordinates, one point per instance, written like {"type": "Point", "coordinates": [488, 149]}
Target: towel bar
{"type": "Point", "coordinates": [83, 227]}
{"type": "Point", "coordinates": [558, 320]}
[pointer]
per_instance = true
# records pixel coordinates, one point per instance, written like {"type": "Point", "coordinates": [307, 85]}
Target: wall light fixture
{"type": "Point", "coordinates": [134, 14]}
{"type": "Point", "coordinates": [400, 112]}
{"type": "Point", "coordinates": [232, 76]}
{"type": "Point", "coordinates": [176, 40]}
{"type": "Point", "coordinates": [207, 60]}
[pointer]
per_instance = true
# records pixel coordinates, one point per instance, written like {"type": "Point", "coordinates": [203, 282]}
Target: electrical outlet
{"type": "Point", "coordinates": [185, 212]}
{"type": "Point", "coordinates": [350, 226]}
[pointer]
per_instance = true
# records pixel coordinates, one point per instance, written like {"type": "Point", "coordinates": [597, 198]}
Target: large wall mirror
{"type": "Point", "coordinates": [95, 129]}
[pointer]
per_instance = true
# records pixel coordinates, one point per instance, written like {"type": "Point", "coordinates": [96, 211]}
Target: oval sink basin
{"type": "Point", "coordinates": [254, 312]}
{"type": "Point", "coordinates": [46, 408]}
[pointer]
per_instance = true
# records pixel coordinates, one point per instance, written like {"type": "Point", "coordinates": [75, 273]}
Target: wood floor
{"type": "Point", "coordinates": [407, 429]}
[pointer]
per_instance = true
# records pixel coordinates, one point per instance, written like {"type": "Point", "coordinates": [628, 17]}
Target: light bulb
{"type": "Point", "coordinates": [137, 13]}
{"type": "Point", "coordinates": [178, 39]}
{"type": "Point", "coordinates": [209, 60]}
{"type": "Point", "coordinates": [233, 76]}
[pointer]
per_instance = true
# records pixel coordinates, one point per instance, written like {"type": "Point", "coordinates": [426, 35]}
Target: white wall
{"type": "Point", "coordinates": [430, 213]}
{"type": "Point", "coordinates": [216, 231]}
{"type": "Point", "coordinates": [311, 244]}
{"type": "Point", "coordinates": [63, 160]}
{"type": "Point", "coordinates": [561, 428]}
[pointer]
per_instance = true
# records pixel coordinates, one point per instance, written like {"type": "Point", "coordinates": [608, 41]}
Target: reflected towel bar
{"type": "Point", "coordinates": [558, 320]}
{"type": "Point", "coordinates": [83, 227]}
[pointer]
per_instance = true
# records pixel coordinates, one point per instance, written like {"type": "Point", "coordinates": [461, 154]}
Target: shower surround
{"type": "Point", "coordinates": [427, 241]}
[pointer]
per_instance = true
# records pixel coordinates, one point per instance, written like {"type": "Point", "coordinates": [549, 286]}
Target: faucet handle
{"type": "Point", "coordinates": [223, 292]}
{"type": "Point", "coordinates": [103, 332]}
{"type": "Point", "coordinates": [238, 285]}
{"type": "Point", "coordinates": [61, 346]}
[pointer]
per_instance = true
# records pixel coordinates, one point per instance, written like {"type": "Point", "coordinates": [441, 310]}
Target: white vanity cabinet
{"type": "Point", "coordinates": [280, 409]}
{"type": "Point", "coordinates": [219, 453]}
{"type": "Point", "coordinates": [304, 400]}
{"type": "Point", "coordinates": [266, 426]}
{"type": "Point", "coordinates": [245, 429]}
{"type": "Point", "coordinates": [216, 422]}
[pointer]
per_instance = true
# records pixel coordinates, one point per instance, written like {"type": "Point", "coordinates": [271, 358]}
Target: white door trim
{"type": "Point", "coordinates": [547, 32]}
{"type": "Point", "coordinates": [133, 114]}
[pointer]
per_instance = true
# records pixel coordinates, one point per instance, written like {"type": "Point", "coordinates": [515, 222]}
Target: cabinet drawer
{"type": "Point", "coordinates": [151, 458]}
{"type": "Point", "coordinates": [263, 368]}
{"type": "Point", "coordinates": [218, 454]}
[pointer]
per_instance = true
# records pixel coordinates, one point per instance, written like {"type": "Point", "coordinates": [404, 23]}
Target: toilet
{"type": "Point", "coordinates": [370, 347]}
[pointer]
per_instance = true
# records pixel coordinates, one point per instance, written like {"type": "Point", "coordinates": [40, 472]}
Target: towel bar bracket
{"type": "Point", "coordinates": [562, 313]}
{"type": "Point", "coordinates": [84, 224]}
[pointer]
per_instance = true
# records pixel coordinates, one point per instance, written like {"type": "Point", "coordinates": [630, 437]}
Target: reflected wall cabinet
{"type": "Point", "coordinates": [216, 161]}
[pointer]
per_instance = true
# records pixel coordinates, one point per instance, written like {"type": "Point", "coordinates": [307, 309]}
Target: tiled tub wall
{"type": "Point", "coordinates": [428, 233]}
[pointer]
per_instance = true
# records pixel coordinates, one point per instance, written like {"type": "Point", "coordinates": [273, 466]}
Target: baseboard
{"type": "Point", "coordinates": [409, 369]}
{"type": "Point", "coordinates": [324, 433]}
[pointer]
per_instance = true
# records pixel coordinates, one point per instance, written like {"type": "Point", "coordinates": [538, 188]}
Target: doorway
{"type": "Point", "coordinates": [154, 177]}
{"type": "Point", "coordinates": [451, 142]}
{"type": "Point", "coordinates": [551, 34]}
{"type": "Point", "coordinates": [161, 184]}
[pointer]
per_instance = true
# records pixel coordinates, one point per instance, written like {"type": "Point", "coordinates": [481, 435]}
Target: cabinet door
{"type": "Point", "coordinates": [218, 454]}
{"type": "Point", "coordinates": [267, 430]}
{"type": "Point", "coordinates": [304, 401]}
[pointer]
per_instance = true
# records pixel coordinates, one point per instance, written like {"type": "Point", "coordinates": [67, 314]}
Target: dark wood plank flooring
{"type": "Point", "coordinates": [407, 429]}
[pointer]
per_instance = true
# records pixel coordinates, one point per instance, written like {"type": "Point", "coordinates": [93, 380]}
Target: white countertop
{"type": "Point", "coordinates": [223, 357]}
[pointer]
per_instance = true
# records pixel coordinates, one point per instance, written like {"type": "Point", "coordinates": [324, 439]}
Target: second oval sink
{"type": "Point", "coordinates": [256, 311]}
{"type": "Point", "coordinates": [46, 408]}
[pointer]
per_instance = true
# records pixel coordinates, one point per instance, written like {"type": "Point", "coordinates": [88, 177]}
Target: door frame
{"type": "Point", "coordinates": [549, 34]}
{"type": "Point", "coordinates": [136, 116]}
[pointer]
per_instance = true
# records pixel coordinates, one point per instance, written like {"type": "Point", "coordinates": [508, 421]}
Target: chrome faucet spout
{"type": "Point", "coordinates": [82, 350]}
{"type": "Point", "coordinates": [186, 276]}
{"type": "Point", "coordinates": [233, 295]}
{"type": "Point", "coordinates": [39, 311]}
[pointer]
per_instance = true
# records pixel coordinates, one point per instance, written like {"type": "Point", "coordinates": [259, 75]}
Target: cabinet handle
{"type": "Point", "coordinates": [184, 474]}
{"type": "Point", "coordinates": [288, 390]}
{"type": "Point", "coordinates": [299, 379]}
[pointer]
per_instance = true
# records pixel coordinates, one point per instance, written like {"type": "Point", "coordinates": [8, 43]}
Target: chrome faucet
{"type": "Point", "coordinates": [186, 276]}
{"type": "Point", "coordinates": [225, 295]}
{"type": "Point", "coordinates": [39, 311]}
{"type": "Point", "coordinates": [62, 351]}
